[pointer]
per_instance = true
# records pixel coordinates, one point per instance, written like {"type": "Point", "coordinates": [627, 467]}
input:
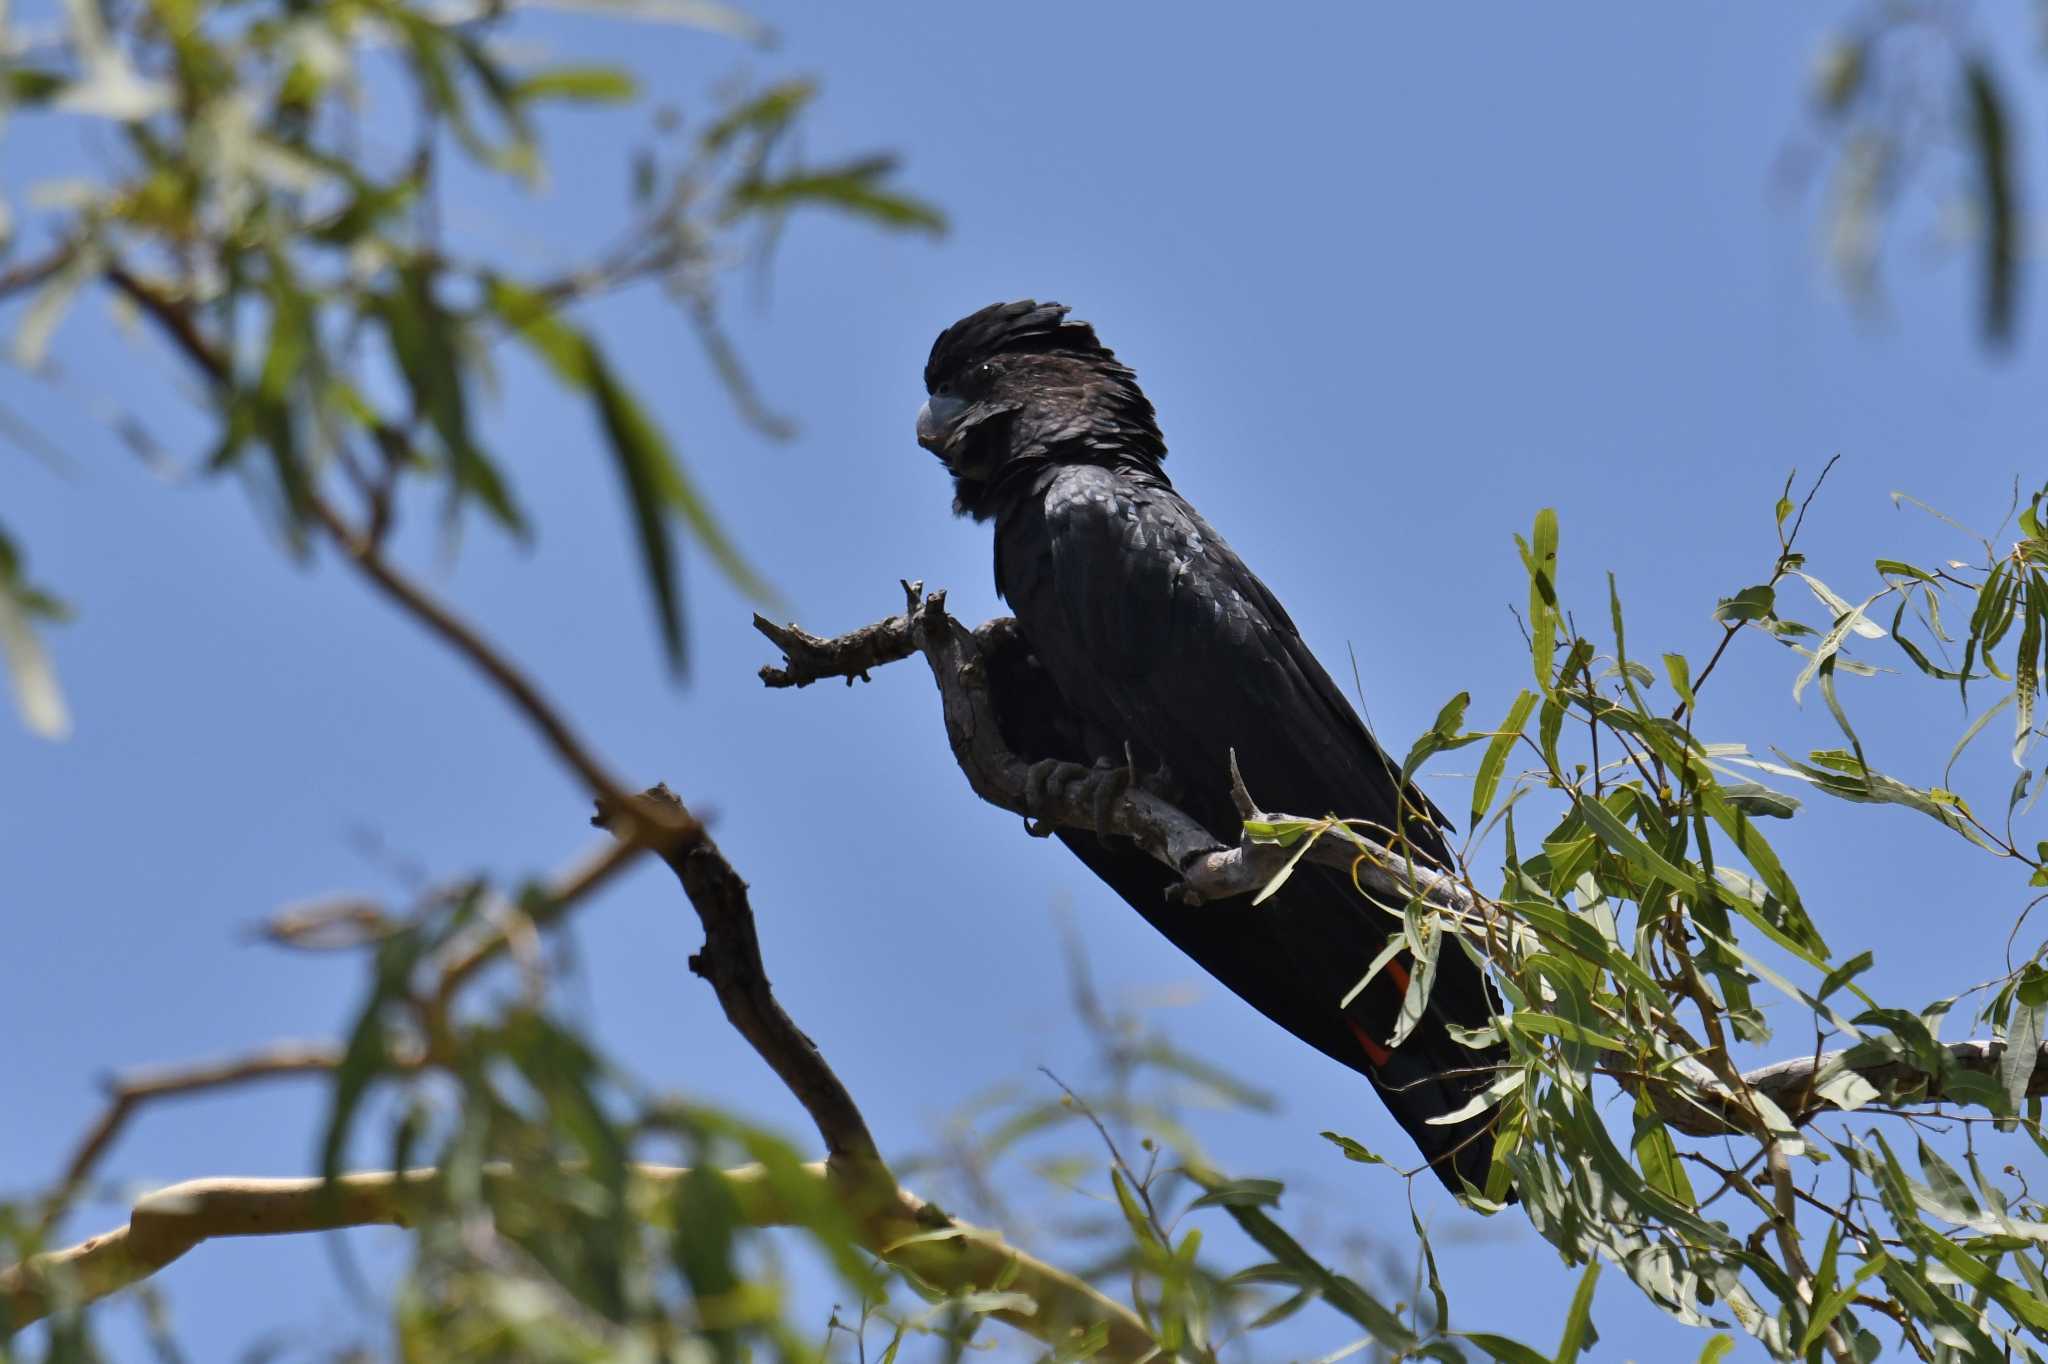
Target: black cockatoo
{"type": "Point", "coordinates": [1150, 643]}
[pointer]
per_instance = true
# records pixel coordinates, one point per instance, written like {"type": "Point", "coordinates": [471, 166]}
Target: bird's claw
{"type": "Point", "coordinates": [1045, 782]}
{"type": "Point", "coordinates": [1108, 784]}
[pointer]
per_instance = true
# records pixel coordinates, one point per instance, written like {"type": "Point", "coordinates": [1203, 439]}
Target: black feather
{"type": "Point", "coordinates": [1025, 326]}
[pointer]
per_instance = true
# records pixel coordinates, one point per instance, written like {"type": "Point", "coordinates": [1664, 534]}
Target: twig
{"type": "Point", "coordinates": [469, 955]}
{"type": "Point", "coordinates": [175, 319]}
{"type": "Point", "coordinates": [1777, 573]}
{"type": "Point", "coordinates": [731, 962]}
{"type": "Point", "coordinates": [455, 632]}
{"type": "Point", "coordinates": [361, 549]}
{"type": "Point", "coordinates": [126, 1093]}
{"type": "Point", "coordinates": [29, 274]}
{"type": "Point", "coordinates": [806, 658]}
{"type": "Point", "coordinates": [166, 1224]}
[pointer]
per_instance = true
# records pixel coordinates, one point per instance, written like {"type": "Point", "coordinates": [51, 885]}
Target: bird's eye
{"type": "Point", "coordinates": [986, 373]}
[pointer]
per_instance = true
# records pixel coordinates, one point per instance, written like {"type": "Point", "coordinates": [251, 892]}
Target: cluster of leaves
{"type": "Point", "coordinates": [1899, 91]}
{"type": "Point", "coordinates": [338, 339]}
{"type": "Point", "coordinates": [544, 1237]}
{"type": "Point", "coordinates": [1629, 940]}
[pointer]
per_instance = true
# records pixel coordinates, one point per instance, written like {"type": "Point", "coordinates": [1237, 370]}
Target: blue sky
{"type": "Point", "coordinates": [1395, 278]}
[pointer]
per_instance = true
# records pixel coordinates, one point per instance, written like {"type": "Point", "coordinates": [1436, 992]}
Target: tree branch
{"type": "Point", "coordinates": [1793, 1086]}
{"type": "Point", "coordinates": [731, 962]}
{"type": "Point", "coordinates": [166, 1224]}
{"type": "Point", "coordinates": [1211, 871]}
{"type": "Point", "coordinates": [126, 1093]}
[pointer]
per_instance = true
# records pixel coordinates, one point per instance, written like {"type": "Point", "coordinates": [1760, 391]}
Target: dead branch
{"type": "Point", "coordinates": [904, 1231]}
{"type": "Point", "coordinates": [1208, 870]}
{"type": "Point", "coordinates": [807, 658]}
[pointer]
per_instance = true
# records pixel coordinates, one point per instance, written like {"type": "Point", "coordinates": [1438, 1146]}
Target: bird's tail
{"type": "Point", "coordinates": [1426, 1080]}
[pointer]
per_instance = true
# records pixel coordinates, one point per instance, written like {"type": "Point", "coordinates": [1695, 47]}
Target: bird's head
{"type": "Point", "coordinates": [1017, 384]}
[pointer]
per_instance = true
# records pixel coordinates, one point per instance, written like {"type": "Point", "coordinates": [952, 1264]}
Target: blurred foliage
{"type": "Point", "coordinates": [1905, 97]}
{"type": "Point", "coordinates": [262, 206]}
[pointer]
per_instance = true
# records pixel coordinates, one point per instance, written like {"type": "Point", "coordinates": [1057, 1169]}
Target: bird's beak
{"type": "Point", "coordinates": [935, 421]}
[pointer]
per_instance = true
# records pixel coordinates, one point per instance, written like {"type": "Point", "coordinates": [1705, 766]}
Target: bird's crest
{"type": "Point", "coordinates": [1007, 329]}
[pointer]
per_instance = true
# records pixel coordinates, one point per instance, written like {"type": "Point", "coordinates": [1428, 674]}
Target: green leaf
{"type": "Point", "coordinates": [1286, 871]}
{"type": "Point", "coordinates": [2023, 1035]}
{"type": "Point", "coordinates": [1578, 1323]}
{"type": "Point", "coordinates": [1657, 1154]}
{"type": "Point", "coordinates": [854, 187]}
{"type": "Point", "coordinates": [1501, 1348]}
{"type": "Point", "coordinates": [1241, 1193]}
{"type": "Point", "coordinates": [1851, 620]}
{"type": "Point", "coordinates": [1831, 1303]}
{"type": "Point", "coordinates": [1496, 756]}
{"type": "Point", "coordinates": [1397, 943]}
{"type": "Point", "coordinates": [585, 84]}
{"type": "Point", "coordinates": [1676, 669]}
{"type": "Point", "coordinates": [1425, 939]}
{"type": "Point", "coordinates": [1751, 603]}
{"type": "Point", "coordinates": [1340, 1292]}
{"type": "Point", "coordinates": [1626, 843]}
{"type": "Point", "coordinates": [1993, 148]}
{"type": "Point", "coordinates": [655, 483]}
{"type": "Point", "coordinates": [2025, 1308]}
{"type": "Point", "coordinates": [426, 344]}
{"type": "Point", "coordinates": [766, 114]}
{"type": "Point", "coordinates": [1716, 1347]}
{"type": "Point", "coordinates": [1845, 973]}
{"type": "Point", "coordinates": [1837, 607]}
{"type": "Point", "coordinates": [27, 85]}
{"type": "Point", "coordinates": [1353, 1151]}
{"type": "Point", "coordinates": [1539, 557]}
{"type": "Point", "coordinates": [368, 1052]}
{"type": "Point", "coordinates": [36, 693]}
{"type": "Point", "coordinates": [1549, 1025]}
{"type": "Point", "coordinates": [1281, 831]}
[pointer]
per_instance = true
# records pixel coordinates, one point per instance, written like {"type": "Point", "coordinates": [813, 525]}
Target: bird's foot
{"type": "Point", "coordinates": [1045, 784]}
{"type": "Point", "coordinates": [1108, 784]}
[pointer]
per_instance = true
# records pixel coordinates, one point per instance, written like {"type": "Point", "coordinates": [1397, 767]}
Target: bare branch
{"type": "Point", "coordinates": [731, 962]}
{"type": "Point", "coordinates": [1209, 870]}
{"type": "Point", "coordinates": [807, 658]}
{"type": "Point", "coordinates": [468, 955]}
{"type": "Point", "coordinates": [899, 1230]}
{"type": "Point", "coordinates": [127, 1093]}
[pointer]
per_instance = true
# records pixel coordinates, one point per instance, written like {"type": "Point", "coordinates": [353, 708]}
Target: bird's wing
{"type": "Point", "coordinates": [1197, 658]}
{"type": "Point", "coordinates": [1153, 628]}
